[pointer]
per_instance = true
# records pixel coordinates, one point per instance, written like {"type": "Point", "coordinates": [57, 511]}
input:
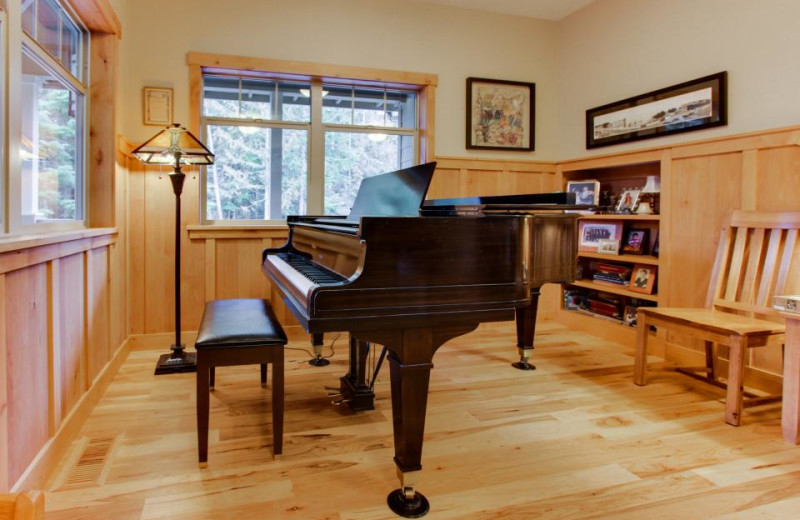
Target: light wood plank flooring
{"type": "Point", "coordinates": [574, 439]}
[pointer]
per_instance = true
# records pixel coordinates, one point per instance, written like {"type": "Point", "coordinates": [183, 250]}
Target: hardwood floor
{"type": "Point", "coordinates": [575, 439]}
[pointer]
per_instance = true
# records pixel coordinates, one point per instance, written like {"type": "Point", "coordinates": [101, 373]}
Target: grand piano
{"type": "Point", "coordinates": [411, 277]}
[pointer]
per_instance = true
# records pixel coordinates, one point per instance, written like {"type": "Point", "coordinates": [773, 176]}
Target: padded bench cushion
{"type": "Point", "coordinates": [239, 323]}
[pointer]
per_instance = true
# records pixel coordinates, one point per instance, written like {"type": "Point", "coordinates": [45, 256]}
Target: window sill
{"type": "Point", "coordinates": [204, 232]}
{"type": "Point", "coordinates": [20, 242]}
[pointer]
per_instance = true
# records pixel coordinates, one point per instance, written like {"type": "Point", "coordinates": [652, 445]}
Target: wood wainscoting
{"type": "Point", "coordinates": [62, 306]}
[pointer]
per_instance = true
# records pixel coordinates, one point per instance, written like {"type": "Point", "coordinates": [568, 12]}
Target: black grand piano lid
{"type": "Point", "coordinates": [397, 193]}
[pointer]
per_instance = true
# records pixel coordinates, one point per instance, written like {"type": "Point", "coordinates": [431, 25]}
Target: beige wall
{"type": "Point", "coordinates": [392, 34]}
{"type": "Point", "coordinates": [614, 49]}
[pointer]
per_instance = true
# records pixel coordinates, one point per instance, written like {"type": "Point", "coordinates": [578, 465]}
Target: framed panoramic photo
{"type": "Point", "coordinates": [500, 114]}
{"type": "Point", "coordinates": [693, 105]}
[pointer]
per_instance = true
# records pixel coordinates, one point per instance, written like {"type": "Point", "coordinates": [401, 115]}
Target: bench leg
{"type": "Point", "coordinates": [264, 375]}
{"type": "Point", "coordinates": [212, 376]}
{"type": "Point", "coordinates": [277, 401]}
{"type": "Point", "coordinates": [735, 393]}
{"type": "Point", "coordinates": [203, 390]}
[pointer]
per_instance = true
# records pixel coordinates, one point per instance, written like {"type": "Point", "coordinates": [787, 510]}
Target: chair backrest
{"type": "Point", "coordinates": [754, 262]}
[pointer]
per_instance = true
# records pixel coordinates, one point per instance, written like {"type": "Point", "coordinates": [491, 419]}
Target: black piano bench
{"type": "Point", "coordinates": [239, 332]}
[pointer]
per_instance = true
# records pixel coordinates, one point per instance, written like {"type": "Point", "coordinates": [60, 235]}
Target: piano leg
{"type": "Point", "coordinates": [317, 342]}
{"type": "Point", "coordinates": [526, 327]}
{"type": "Point", "coordinates": [410, 362]}
{"type": "Point", "coordinates": [353, 386]}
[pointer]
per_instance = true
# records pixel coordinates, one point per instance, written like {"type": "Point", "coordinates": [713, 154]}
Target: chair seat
{"type": "Point", "coordinates": [718, 322]}
{"type": "Point", "coordinates": [243, 322]}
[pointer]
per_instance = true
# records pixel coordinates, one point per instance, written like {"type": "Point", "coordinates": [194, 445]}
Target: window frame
{"type": "Point", "coordinates": [16, 41]}
{"type": "Point", "coordinates": [214, 64]}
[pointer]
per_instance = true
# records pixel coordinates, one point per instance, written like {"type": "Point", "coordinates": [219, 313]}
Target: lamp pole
{"type": "Point", "coordinates": [177, 177]}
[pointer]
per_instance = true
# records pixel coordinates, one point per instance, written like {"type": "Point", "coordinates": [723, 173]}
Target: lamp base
{"type": "Point", "coordinates": [177, 361]}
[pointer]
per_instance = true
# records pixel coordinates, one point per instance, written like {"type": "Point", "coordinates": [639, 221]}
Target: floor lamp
{"type": "Point", "coordinates": [175, 146]}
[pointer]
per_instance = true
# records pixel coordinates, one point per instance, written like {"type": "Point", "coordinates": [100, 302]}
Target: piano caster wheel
{"type": "Point", "coordinates": [319, 362]}
{"type": "Point", "coordinates": [523, 365]}
{"type": "Point", "coordinates": [415, 508]}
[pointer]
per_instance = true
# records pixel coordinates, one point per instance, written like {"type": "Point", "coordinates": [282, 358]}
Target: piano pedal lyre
{"type": "Point", "coordinates": [317, 342]}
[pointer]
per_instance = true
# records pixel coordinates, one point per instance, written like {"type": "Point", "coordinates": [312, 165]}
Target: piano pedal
{"type": "Point", "coordinates": [332, 388]}
{"type": "Point", "coordinates": [340, 402]}
{"type": "Point", "coordinates": [334, 394]}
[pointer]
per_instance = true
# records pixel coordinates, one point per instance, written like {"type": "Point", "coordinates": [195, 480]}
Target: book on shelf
{"type": "Point", "coordinates": [604, 308]}
{"type": "Point", "coordinates": [610, 279]}
{"type": "Point", "coordinates": [618, 269]}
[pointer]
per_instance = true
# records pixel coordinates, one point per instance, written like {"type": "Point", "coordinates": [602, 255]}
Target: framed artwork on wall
{"type": "Point", "coordinates": [157, 106]}
{"type": "Point", "coordinates": [500, 114]}
{"type": "Point", "coordinates": [693, 105]}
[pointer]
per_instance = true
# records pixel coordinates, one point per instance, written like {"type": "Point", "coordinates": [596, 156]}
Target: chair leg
{"type": "Point", "coordinates": [711, 360]}
{"type": "Point", "coordinates": [203, 390]}
{"type": "Point", "coordinates": [277, 401]}
{"type": "Point", "coordinates": [735, 394]}
{"type": "Point", "coordinates": [640, 363]}
{"type": "Point", "coordinates": [264, 375]}
{"type": "Point", "coordinates": [212, 376]}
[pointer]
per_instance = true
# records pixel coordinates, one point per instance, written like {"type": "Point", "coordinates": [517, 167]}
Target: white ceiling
{"type": "Point", "coordinates": [545, 9]}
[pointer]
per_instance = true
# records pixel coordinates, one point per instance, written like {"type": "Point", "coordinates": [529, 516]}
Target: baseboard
{"type": "Point", "coordinates": [36, 474]}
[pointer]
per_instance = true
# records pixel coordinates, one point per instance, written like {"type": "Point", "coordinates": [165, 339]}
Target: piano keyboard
{"type": "Point", "coordinates": [314, 272]}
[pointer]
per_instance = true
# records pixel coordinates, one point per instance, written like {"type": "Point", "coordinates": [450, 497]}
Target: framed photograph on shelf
{"type": "Point", "coordinates": [636, 241]}
{"type": "Point", "coordinates": [627, 201]}
{"type": "Point", "coordinates": [592, 232]}
{"type": "Point", "coordinates": [643, 278]}
{"type": "Point", "coordinates": [500, 114]}
{"type": "Point", "coordinates": [629, 315]}
{"type": "Point", "coordinates": [608, 246]}
{"type": "Point", "coordinates": [693, 105]}
{"type": "Point", "coordinates": [157, 106]}
{"type": "Point", "coordinates": [586, 192]}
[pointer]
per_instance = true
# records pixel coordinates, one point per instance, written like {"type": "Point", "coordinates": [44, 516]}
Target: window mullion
{"type": "Point", "coordinates": [316, 160]}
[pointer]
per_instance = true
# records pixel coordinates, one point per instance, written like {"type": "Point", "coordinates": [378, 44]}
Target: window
{"type": "Point", "coordinates": [300, 146]}
{"type": "Point", "coordinates": [52, 112]}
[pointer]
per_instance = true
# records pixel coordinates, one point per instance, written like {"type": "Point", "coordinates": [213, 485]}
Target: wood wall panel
{"type": "Point", "coordinates": [136, 268]}
{"type": "Point", "coordinates": [27, 366]}
{"type": "Point", "coordinates": [238, 264]}
{"type": "Point", "coordinates": [72, 335]}
{"type": "Point", "coordinates": [159, 259]}
{"type": "Point", "coordinates": [97, 312]}
{"type": "Point", "coordinates": [703, 191]}
{"type": "Point", "coordinates": [778, 179]}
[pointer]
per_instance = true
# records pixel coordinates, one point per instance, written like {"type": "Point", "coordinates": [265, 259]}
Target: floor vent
{"type": "Point", "coordinates": [91, 465]}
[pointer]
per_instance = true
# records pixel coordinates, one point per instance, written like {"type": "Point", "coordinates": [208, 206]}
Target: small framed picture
{"type": "Point", "coordinates": [629, 316]}
{"type": "Point", "coordinates": [636, 241]}
{"type": "Point", "coordinates": [608, 246]}
{"type": "Point", "coordinates": [591, 232]}
{"type": "Point", "coordinates": [627, 201]}
{"type": "Point", "coordinates": [643, 278]}
{"type": "Point", "coordinates": [157, 106]}
{"type": "Point", "coordinates": [586, 192]}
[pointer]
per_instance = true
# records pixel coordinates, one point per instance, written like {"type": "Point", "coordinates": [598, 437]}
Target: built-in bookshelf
{"type": "Point", "coordinates": [612, 284]}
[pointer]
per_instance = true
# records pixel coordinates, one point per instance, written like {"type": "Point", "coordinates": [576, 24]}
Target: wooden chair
{"type": "Point", "coordinates": [22, 506]}
{"type": "Point", "coordinates": [753, 263]}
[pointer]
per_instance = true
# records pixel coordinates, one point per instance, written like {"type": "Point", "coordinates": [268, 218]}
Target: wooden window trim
{"type": "Point", "coordinates": [425, 84]}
